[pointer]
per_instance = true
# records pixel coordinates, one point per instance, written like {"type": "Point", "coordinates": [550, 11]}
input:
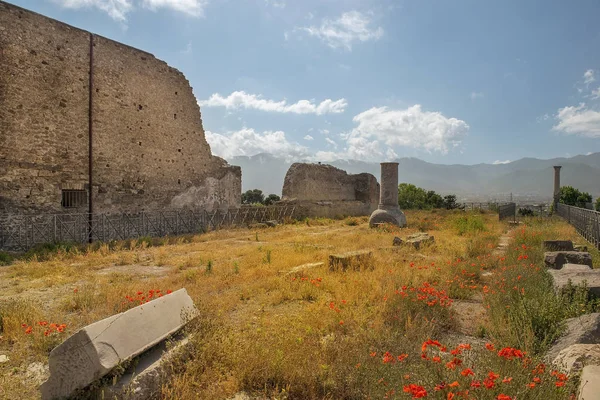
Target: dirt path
{"type": "Point", "coordinates": [470, 313]}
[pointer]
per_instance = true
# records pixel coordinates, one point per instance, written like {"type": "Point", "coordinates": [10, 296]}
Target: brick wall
{"type": "Point", "coordinates": [149, 148]}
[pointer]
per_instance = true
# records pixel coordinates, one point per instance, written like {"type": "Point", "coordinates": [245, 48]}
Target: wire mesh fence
{"type": "Point", "coordinates": [586, 222]}
{"type": "Point", "coordinates": [22, 232]}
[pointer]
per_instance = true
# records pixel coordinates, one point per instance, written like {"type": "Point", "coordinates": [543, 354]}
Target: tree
{"type": "Point", "coordinates": [597, 207]}
{"type": "Point", "coordinates": [413, 197]}
{"type": "Point", "coordinates": [573, 197]}
{"type": "Point", "coordinates": [271, 199]}
{"type": "Point", "coordinates": [253, 196]}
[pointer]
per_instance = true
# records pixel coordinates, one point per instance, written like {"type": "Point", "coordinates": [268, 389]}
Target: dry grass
{"type": "Point", "coordinates": [275, 335]}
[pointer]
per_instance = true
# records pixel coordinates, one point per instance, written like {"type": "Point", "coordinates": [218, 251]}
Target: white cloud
{"type": "Point", "coordinates": [118, 9]}
{"type": "Point", "coordinates": [350, 27]}
{"type": "Point", "coordinates": [412, 127]}
{"type": "Point", "coordinates": [542, 118]}
{"type": "Point", "coordinates": [331, 143]}
{"type": "Point", "coordinates": [188, 49]}
{"type": "Point", "coordinates": [578, 120]}
{"type": "Point", "coordinates": [588, 77]}
{"type": "Point", "coordinates": [248, 142]}
{"type": "Point", "coordinates": [275, 3]}
{"type": "Point", "coordinates": [498, 162]}
{"type": "Point", "coordinates": [595, 93]}
{"type": "Point", "coordinates": [308, 137]}
{"type": "Point", "coordinates": [241, 99]}
{"type": "Point", "coordinates": [476, 95]}
{"type": "Point", "coordinates": [324, 131]}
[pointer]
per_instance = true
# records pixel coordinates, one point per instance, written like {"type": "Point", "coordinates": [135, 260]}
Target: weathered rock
{"type": "Point", "coordinates": [419, 239]}
{"type": "Point", "coordinates": [556, 259]}
{"type": "Point", "coordinates": [144, 379]}
{"type": "Point", "coordinates": [575, 357]}
{"type": "Point", "coordinates": [577, 276]}
{"type": "Point", "coordinates": [355, 260]}
{"type": "Point", "coordinates": [96, 349]}
{"type": "Point", "coordinates": [4, 358]}
{"type": "Point", "coordinates": [558, 245]}
{"type": "Point", "coordinates": [397, 241]}
{"type": "Point", "coordinates": [300, 269]}
{"type": "Point", "coordinates": [575, 267]}
{"type": "Point", "coordinates": [580, 330]}
{"type": "Point", "coordinates": [589, 386]}
{"type": "Point", "coordinates": [272, 224]}
{"type": "Point", "coordinates": [580, 247]}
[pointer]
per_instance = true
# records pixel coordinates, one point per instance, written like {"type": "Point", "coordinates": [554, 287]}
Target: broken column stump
{"type": "Point", "coordinates": [556, 259]}
{"type": "Point", "coordinates": [96, 349]}
{"type": "Point", "coordinates": [355, 260]}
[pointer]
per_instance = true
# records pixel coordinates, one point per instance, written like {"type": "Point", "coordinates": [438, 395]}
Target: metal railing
{"type": "Point", "coordinates": [22, 232]}
{"type": "Point", "coordinates": [586, 222]}
{"type": "Point", "coordinates": [508, 210]}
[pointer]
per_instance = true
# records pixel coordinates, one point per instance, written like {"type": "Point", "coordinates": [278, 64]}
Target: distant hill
{"type": "Point", "coordinates": [527, 176]}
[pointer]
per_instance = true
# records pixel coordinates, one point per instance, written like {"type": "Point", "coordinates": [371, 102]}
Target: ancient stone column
{"type": "Point", "coordinates": [556, 184]}
{"type": "Point", "coordinates": [388, 210]}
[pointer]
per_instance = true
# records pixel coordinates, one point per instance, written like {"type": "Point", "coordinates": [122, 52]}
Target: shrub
{"type": "Point", "coordinates": [469, 223]}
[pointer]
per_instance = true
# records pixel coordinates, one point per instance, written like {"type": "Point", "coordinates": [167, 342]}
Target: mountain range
{"type": "Point", "coordinates": [529, 178]}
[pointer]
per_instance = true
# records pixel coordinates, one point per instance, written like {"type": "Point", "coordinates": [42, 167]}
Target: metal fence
{"type": "Point", "coordinates": [586, 222]}
{"type": "Point", "coordinates": [22, 232]}
{"type": "Point", "coordinates": [508, 210]}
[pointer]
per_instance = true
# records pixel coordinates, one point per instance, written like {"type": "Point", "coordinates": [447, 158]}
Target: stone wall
{"type": "Point", "coordinates": [148, 143]}
{"type": "Point", "coordinates": [325, 191]}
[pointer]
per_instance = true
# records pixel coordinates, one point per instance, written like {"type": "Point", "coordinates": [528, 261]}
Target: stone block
{"type": "Point", "coordinates": [575, 357]}
{"type": "Point", "coordinates": [144, 379]}
{"type": "Point", "coordinates": [589, 384]}
{"type": "Point", "coordinates": [355, 260]}
{"type": "Point", "coordinates": [575, 267]}
{"type": "Point", "coordinates": [96, 349]}
{"type": "Point", "coordinates": [272, 224]}
{"type": "Point", "coordinates": [397, 241]}
{"type": "Point", "coordinates": [301, 269]}
{"type": "Point", "coordinates": [577, 277]}
{"type": "Point", "coordinates": [556, 259]}
{"type": "Point", "coordinates": [584, 329]}
{"type": "Point", "coordinates": [558, 245]}
{"type": "Point", "coordinates": [580, 247]}
{"type": "Point", "coordinates": [419, 239]}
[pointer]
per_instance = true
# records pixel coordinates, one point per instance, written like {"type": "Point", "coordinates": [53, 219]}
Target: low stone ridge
{"type": "Point", "coordinates": [577, 275]}
{"type": "Point", "coordinates": [580, 330]}
{"type": "Point", "coordinates": [556, 259]}
{"type": "Point", "coordinates": [351, 260]}
{"type": "Point", "coordinates": [415, 240]}
{"type": "Point", "coordinates": [575, 357]}
{"type": "Point", "coordinates": [300, 269]}
{"type": "Point", "coordinates": [96, 349]}
{"type": "Point", "coordinates": [589, 386]}
{"type": "Point", "coordinates": [558, 245]}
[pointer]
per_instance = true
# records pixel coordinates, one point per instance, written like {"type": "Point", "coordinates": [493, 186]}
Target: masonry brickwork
{"type": "Point", "coordinates": [323, 190]}
{"type": "Point", "coordinates": [149, 150]}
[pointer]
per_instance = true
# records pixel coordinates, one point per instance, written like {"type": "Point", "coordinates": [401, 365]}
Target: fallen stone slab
{"type": "Point", "coordinates": [556, 259]}
{"type": "Point", "coordinates": [415, 240]}
{"type": "Point", "coordinates": [355, 260]}
{"type": "Point", "coordinates": [584, 329]}
{"type": "Point", "coordinates": [589, 384]}
{"type": "Point", "coordinates": [575, 267]}
{"type": "Point", "coordinates": [96, 349]}
{"type": "Point", "coordinates": [300, 269]}
{"type": "Point", "coordinates": [144, 379]}
{"type": "Point", "coordinates": [577, 277]}
{"type": "Point", "coordinates": [575, 357]}
{"type": "Point", "coordinates": [558, 245]}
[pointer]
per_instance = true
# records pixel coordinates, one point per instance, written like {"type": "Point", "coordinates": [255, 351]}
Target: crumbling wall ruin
{"type": "Point", "coordinates": [322, 190]}
{"type": "Point", "coordinates": [149, 150]}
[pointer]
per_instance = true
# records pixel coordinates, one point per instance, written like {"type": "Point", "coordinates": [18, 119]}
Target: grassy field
{"type": "Point", "coordinates": [456, 319]}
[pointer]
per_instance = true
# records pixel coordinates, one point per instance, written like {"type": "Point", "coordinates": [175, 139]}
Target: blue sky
{"type": "Point", "coordinates": [463, 81]}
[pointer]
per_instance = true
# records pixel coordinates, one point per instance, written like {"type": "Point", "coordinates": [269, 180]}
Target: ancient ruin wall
{"type": "Point", "coordinates": [149, 148]}
{"type": "Point", "coordinates": [326, 191]}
